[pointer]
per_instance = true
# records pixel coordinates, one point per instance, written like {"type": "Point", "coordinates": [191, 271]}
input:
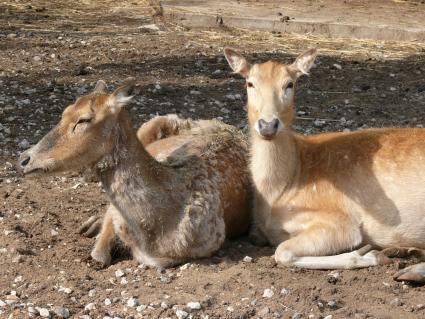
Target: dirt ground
{"type": "Point", "coordinates": [54, 51]}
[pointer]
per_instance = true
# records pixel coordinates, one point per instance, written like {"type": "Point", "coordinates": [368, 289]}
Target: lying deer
{"type": "Point", "coordinates": [167, 211]}
{"type": "Point", "coordinates": [322, 195]}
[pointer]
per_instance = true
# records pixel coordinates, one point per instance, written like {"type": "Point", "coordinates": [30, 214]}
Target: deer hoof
{"type": "Point", "coordinates": [101, 257]}
{"type": "Point", "coordinates": [414, 274]}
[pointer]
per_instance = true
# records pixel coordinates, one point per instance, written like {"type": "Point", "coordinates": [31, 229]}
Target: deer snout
{"type": "Point", "coordinates": [268, 130]}
{"type": "Point", "coordinates": [23, 161]}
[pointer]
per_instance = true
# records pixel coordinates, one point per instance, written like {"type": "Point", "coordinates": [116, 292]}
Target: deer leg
{"type": "Point", "coordinates": [91, 227]}
{"type": "Point", "coordinates": [312, 249]}
{"type": "Point", "coordinates": [105, 240]}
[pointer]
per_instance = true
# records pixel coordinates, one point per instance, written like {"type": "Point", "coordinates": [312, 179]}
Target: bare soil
{"type": "Point", "coordinates": [54, 51]}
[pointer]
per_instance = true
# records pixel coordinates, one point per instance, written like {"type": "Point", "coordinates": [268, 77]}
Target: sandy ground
{"type": "Point", "coordinates": [52, 53]}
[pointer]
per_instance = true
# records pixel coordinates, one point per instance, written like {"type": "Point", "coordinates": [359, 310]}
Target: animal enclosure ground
{"type": "Point", "coordinates": [54, 51]}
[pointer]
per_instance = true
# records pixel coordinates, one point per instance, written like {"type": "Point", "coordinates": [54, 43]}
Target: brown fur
{"type": "Point", "coordinates": [172, 202]}
{"type": "Point", "coordinates": [326, 194]}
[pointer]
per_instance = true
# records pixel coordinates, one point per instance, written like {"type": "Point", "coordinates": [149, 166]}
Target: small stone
{"type": "Point", "coordinates": [297, 315]}
{"type": "Point", "coordinates": [43, 312]}
{"type": "Point", "coordinates": [61, 312]}
{"type": "Point", "coordinates": [67, 291]}
{"type": "Point", "coordinates": [119, 273]}
{"type": "Point", "coordinates": [2, 304]}
{"type": "Point", "coordinates": [247, 259]}
{"type": "Point", "coordinates": [107, 302]}
{"type": "Point", "coordinates": [194, 305]}
{"type": "Point", "coordinates": [18, 279]}
{"type": "Point", "coordinates": [90, 306]}
{"type": "Point", "coordinates": [141, 308]}
{"type": "Point", "coordinates": [185, 266]}
{"type": "Point", "coordinates": [396, 302]}
{"type": "Point", "coordinates": [164, 305]}
{"type": "Point", "coordinates": [337, 66]}
{"type": "Point", "coordinates": [230, 309]}
{"type": "Point", "coordinates": [24, 144]}
{"type": "Point", "coordinates": [133, 302]}
{"type": "Point", "coordinates": [328, 317]}
{"type": "Point", "coordinates": [123, 281]}
{"type": "Point", "coordinates": [284, 291]}
{"type": "Point", "coordinates": [264, 311]}
{"type": "Point", "coordinates": [54, 232]}
{"type": "Point", "coordinates": [333, 277]}
{"type": "Point", "coordinates": [268, 293]}
{"type": "Point", "coordinates": [36, 58]}
{"type": "Point", "coordinates": [92, 292]}
{"type": "Point", "coordinates": [181, 314]}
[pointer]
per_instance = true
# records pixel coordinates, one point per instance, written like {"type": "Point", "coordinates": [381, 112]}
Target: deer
{"type": "Point", "coordinates": [177, 188]}
{"type": "Point", "coordinates": [330, 200]}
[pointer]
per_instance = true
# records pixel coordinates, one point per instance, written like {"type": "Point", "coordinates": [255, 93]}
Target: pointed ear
{"type": "Point", "coordinates": [304, 62]}
{"type": "Point", "coordinates": [237, 62]}
{"type": "Point", "coordinates": [123, 94]}
{"type": "Point", "coordinates": [100, 88]}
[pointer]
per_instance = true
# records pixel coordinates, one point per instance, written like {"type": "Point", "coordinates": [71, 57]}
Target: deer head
{"type": "Point", "coordinates": [270, 89]}
{"type": "Point", "coordinates": [84, 134]}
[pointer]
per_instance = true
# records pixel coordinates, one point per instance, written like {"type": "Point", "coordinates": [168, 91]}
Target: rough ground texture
{"type": "Point", "coordinates": [52, 52]}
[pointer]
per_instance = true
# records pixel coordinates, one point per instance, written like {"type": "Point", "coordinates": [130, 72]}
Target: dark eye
{"type": "Point", "coordinates": [290, 85]}
{"type": "Point", "coordinates": [81, 121]}
{"type": "Point", "coordinates": [249, 84]}
{"type": "Point", "coordinates": [84, 120]}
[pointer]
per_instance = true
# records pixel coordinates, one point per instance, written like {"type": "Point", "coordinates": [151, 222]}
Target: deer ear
{"type": "Point", "coordinates": [304, 62]}
{"type": "Point", "coordinates": [123, 94]}
{"type": "Point", "coordinates": [100, 87]}
{"type": "Point", "coordinates": [237, 62]}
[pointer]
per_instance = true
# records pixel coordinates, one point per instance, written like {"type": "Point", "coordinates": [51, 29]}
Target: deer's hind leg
{"type": "Point", "coordinates": [317, 248]}
{"type": "Point", "coordinates": [106, 238]}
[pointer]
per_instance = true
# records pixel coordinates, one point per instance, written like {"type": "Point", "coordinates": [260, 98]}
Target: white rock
{"type": "Point", "coordinates": [133, 302]}
{"type": "Point", "coordinates": [337, 66]}
{"type": "Point", "coordinates": [247, 259]}
{"type": "Point", "coordinates": [123, 281]}
{"type": "Point", "coordinates": [194, 305]}
{"type": "Point", "coordinates": [43, 312]}
{"type": "Point", "coordinates": [141, 308]}
{"type": "Point", "coordinates": [185, 266]}
{"type": "Point", "coordinates": [107, 302]}
{"type": "Point", "coordinates": [230, 309]}
{"type": "Point", "coordinates": [164, 305]}
{"type": "Point", "coordinates": [54, 232]}
{"type": "Point", "coordinates": [90, 306]}
{"type": "Point", "coordinates": [67, 291]}
{"type": "Point", "coordinates": [328, 317]}
{"type": "Point", "coordinates": [92, 292]}
{"type": "Point", "coordinates": [32, 310]}
{"type": "Point", "coordinates": [194, 92]}
{"type": "Point", "coordinates": [2, 304]}
{"type": "Point", "coordinates": [181, 314]}
{"type": "Point", "coordinates": [268, 293]}
{"type": "Point", "coordinates": [119, 273]}
{"type": "Point", "coordinates": [18, 279]}
{"type": "Point", "coordinates": [36, 58]}
{"type": "Point", "coordinates": [284, 291]}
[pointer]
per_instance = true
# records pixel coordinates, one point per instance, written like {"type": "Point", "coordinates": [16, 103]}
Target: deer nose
{"type": "Point", "coordinates": [268, 129]}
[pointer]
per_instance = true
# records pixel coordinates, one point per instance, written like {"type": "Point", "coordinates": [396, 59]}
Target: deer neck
{"type": "Point", "coordinates": [274, 164]}
{"type": "Point", "coordinates": [142, 189]}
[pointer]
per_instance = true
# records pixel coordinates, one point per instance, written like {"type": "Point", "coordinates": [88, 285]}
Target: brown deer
{"type": "Point", "coordinates": [174, 200]}
{"type": "Point", "coordinates": [319, 197]}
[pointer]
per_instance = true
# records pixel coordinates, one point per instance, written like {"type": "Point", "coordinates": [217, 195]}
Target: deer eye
{"type": "Point", "coordinates": [81, 121]}
{"type": "Point", "coordinates": [249, 84]}
{"type": "Point", "coordinates": [290, 85]}
{"type": "Point", "coordinates": [84, 120]}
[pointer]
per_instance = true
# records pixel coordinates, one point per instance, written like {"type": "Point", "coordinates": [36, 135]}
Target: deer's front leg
{"type": "Point", "coordinates": [105, 240]}
{"type": "Point", "coordinates": [315, 248]}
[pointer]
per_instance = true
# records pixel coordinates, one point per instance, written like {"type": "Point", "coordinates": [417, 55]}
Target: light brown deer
{"type": "Point", "coordinates": [326, 194]}
{"type": "Point", "coordinates": [173, 201]}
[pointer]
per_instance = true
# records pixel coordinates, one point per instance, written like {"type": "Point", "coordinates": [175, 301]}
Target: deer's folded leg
{"type": "Point", "coordinates": [315, 248]}
{"type": "Point", "coordinates": [105, 241]}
